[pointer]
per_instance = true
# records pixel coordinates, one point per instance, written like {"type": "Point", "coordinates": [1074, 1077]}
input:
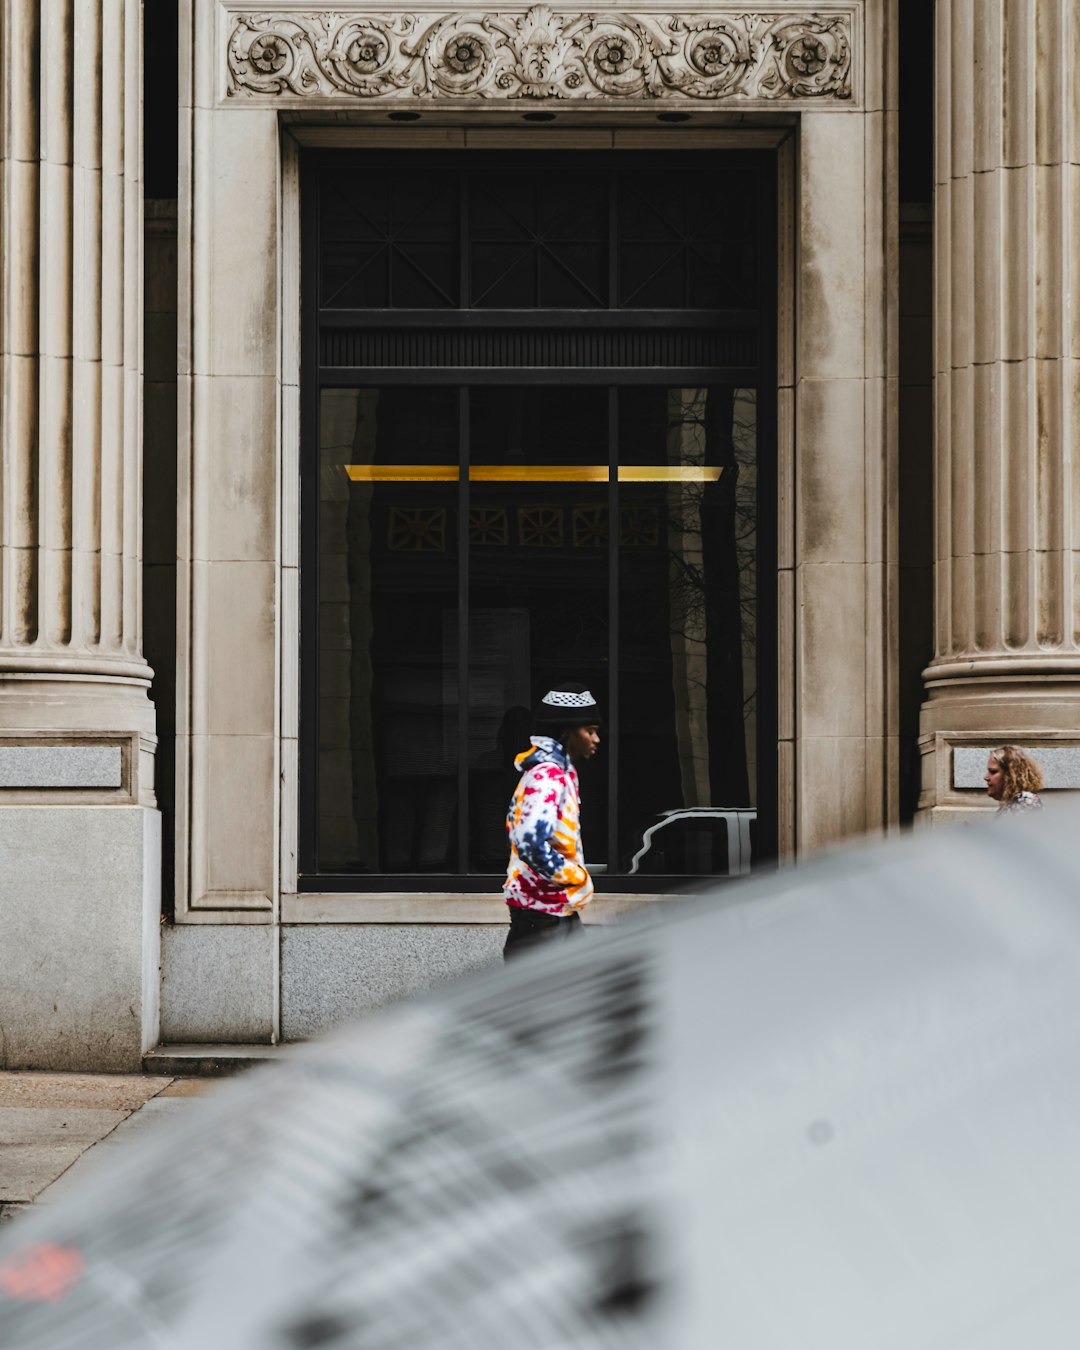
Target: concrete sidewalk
{"type": "Point", "coordinates": [56, 1127]}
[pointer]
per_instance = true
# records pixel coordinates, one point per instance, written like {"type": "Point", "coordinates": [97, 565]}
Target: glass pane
{"type": "Point", "coordinates": [688, 239]}
{"type": "Point", "coordinates": [423, 276]}
{"type": "Point", "coordinates": [687, 629]}
{"type": "Point", "coordinates": [538, 239]}
{"type": "Point", "coordinates": [388, 620]}
{"type": "Point", "coordinates": [504, 276]}
{"type": "Point", "coordinates": [652, 276]}
{"type": "Point", "coordinates": [389, 239]}
{"type": "Point", "coordinates": [399, 427]}
{"type": "Point", "coordinates": [522, 428]}
{"type": "Point", "coordinates": [538, 593]}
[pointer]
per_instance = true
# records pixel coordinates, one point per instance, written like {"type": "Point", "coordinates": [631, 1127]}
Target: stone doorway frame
{"type": "Point", "coordinates": [237, 594]}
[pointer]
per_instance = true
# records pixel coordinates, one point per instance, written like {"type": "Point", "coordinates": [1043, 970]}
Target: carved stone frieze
{"type": "Point", "coordinates": [541, 53]}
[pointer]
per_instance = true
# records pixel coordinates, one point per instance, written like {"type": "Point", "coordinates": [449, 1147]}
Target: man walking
{"type": "Point", "coordinates": [547, 885]}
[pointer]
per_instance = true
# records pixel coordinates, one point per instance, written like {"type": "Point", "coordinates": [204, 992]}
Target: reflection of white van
{"type": "Point", "coordinates": [698, 841]}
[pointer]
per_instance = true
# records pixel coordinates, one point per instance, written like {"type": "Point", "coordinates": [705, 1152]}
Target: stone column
{"type": "Point", "coordinates": [78, 832]}
{"type": "Point", "coordinates": [1006, 660]}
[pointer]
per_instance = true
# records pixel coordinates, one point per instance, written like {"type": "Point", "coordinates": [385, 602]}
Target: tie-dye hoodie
{"type": "Point", "coordinates": [547, 868]}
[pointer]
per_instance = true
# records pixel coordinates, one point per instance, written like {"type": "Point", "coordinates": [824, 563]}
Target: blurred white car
{"type": "Point", "coordinates": [832, 1108]}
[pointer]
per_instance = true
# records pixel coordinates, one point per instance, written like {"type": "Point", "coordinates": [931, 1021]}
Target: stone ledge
{"type": "Point", "coordinates": [209, 1061]}
{"type": "Point", "coordinates": [437, 907]}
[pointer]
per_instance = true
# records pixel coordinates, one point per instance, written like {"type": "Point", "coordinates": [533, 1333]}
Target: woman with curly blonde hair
{"type": "Point", "coordinates": [1013, 779]}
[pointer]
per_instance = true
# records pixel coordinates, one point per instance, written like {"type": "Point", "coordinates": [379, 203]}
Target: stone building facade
{"type": "Point", "coordinates": [335, 341]}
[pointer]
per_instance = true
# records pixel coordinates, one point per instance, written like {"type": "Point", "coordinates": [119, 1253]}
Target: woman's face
{"type": "Point", "coordinates": [995, 779]}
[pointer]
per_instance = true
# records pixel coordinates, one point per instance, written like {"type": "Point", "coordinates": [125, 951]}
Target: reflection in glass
{"type": "Point", "coordinates": [538, 589]}
{"type": "Point", "coordinates": [687, 637]}
{"type": "Point", "coordinates": [681, 755]}
{"type": "Point", "coordinates": [538, 604]}
{"type": "Point", "coordinates": [388, 632]}
{"type": "Point", "coordinates": [538, 426]}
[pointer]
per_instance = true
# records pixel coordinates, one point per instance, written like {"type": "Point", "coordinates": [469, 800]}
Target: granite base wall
{"type": "Point", "coordinates": [80, 906]}
{"type": "Point", "coordinates": [331, 973]}
{"type": "Point", "coordinates": [217, 984]}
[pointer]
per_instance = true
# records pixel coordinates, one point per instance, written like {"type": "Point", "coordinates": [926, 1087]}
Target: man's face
{"type": "Point", "coordinates": [583, 742]}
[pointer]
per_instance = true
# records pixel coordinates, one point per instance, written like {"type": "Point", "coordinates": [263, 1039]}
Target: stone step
{"type": "Point", "coordinates": [209, 1061]}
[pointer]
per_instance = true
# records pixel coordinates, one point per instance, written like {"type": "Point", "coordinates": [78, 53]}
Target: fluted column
{"type": "Point", "coordinates": [70, 356]}
{"type": "Point", "coordinates": [80, 837]}
{"type": "Point", "coordinates": [1007, 337]}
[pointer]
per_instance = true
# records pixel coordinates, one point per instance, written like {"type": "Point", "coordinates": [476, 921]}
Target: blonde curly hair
{"type": "Point", "coordinates": [1020, 772]}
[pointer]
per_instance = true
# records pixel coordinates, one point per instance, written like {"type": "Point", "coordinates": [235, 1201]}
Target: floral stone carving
{"type": "Point", "coordinates": [542, 54]}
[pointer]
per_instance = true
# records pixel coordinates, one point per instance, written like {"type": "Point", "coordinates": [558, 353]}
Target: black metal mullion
{"type": "Point", "coordinates": [537, 251]}
{"type": "Point", "coordinates": [612, 238]}
{"type": "Point", "coordinates": [390, 241]}
{"type": "Point", "coordinates": [463, 703]}
{"type": "Point", "coordinates": [612, 727]}
{"type": "Point", "coordinates": [464, 256]}
{"type": "Point", "coordinates": [686, 248]}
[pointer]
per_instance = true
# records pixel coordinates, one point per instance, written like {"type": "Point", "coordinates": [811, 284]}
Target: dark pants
{"type": "Point", "coordinates": [531, 928]}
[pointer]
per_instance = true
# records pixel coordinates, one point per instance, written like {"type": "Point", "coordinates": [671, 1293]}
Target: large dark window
{"type": "Point", "coordinates": [538, 445]}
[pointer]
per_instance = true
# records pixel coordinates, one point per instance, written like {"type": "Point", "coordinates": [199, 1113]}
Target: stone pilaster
{"type": "Point", "coordinates": [1007, 338]}
{"type": "Point", "coordinates": [80, 899]}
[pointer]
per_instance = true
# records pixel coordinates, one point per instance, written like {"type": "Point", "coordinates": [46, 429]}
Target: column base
{"type": "Point", "coordinates": [42, 712]}
{"type": "Point", "coordinates": [971, 707]}
{"type": "Point", "coordinates": [80, 912]}
{"type": "Point", "coordinates": [59, 701]}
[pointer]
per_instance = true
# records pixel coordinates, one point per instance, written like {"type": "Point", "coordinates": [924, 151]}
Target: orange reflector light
{"type": "Point", "coordinates": [402, 473]}
{"type": "Point", "coordinates": [534, 473]}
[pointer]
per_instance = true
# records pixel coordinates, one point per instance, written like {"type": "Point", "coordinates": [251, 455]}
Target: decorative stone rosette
{"type": "Point", "coordinates": [542, 54]}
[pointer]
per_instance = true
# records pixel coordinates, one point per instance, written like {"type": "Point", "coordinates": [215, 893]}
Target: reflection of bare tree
{"type": "Point", "coordinates": [346, 835]}
{"type": "Point", "coordinates": [712, 552]}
